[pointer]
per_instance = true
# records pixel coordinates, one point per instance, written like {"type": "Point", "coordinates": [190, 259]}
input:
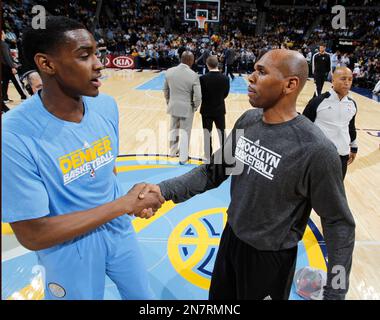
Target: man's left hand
{"type": "Point", "coordinates": [351, 158]}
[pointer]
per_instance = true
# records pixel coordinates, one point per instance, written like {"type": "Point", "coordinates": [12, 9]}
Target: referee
{"type": "Point", "coordinates": [334, 113]}
{"type": "Point", "coordinates": [321, 66]}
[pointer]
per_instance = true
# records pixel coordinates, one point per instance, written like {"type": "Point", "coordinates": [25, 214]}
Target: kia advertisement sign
{"type": "Point", "coordinates": [122, 62]}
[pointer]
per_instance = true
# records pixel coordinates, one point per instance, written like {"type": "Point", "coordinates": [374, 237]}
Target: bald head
{"type": "Point", "coordinates": [290, 63]}
{"type": "Point", "coordinates": [34, 81]}
{"type": "Point", "coordinates": [187, 58]}
{"type": "Point", "coordinates": [339, 71]}
{"type": "Point", "coordinates": [342, 81]}
{"type": "Point", "coordinates": [278, 79]}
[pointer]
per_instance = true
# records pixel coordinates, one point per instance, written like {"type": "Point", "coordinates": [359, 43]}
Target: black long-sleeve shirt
{"type": "Point", "coordinates": [6, 58]}
{"type": "Point", "coordinates": [215, 87]}
{"type": "Point", "coordinates": [230, 56]}
{"type": "Point", "coordinates": [321, 63]}
{"type": "Point", "coordinates": [279, 173]}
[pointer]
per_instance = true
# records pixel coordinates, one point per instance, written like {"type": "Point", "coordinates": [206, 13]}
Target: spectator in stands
{"type": "Point", "coordinates": [289, 26]}
{"type": "Point", "coordinates": [335, 60]}
{"type": "Point", "coordinates": [345, 60]}
{"type": "Point", "coordinates": [34, 82]}
{"type": "Point", "coordinates": [103, 51]}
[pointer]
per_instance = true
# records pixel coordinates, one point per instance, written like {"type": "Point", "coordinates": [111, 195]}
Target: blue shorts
{"type": "Point", "coordinates": [77, 270]}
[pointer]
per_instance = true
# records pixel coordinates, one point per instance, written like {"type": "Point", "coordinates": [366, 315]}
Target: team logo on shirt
{"type": "Point", "coordinates": [86, 160]}
{"type": "Point", "coordinates": [92, 173]}
{"type": "Point", "coordinates": [256, 157]}
{"type": "Point", "coordinates": [57, 290]}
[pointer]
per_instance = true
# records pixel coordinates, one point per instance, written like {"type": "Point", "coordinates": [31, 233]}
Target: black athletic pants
{"type": "Point", "coordinates": [344, 160]}
{"type": "Point", "coordinates": [7, 75]}
{"type": "Point", "coordinates": [320, 79]}
{"type": "Point", "coordinates": [229, 71]}
{"type": "Point", "coordinates": [242, 272]}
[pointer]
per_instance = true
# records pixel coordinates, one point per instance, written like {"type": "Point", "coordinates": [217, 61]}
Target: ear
{"type": "Point", "coordinates": [291, 85]}
{"type": "Point", "coordinates": [44, 63]}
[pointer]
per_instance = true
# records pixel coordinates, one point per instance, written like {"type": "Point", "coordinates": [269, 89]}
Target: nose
{"type": "Point", "coordinates": [347, 83]}
{"type": "Point", "coordinates": [252, 78]}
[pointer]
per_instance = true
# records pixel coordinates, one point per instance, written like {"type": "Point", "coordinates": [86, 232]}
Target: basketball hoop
{"type": "Point", "coordinates": [201, 22]}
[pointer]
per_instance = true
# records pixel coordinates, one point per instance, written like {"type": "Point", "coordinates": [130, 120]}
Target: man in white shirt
{"type": "Point", "coordinates": [376, 90]}
{"type": "Point", "coordinates": [334, 113]}
{"type": "Point", "coordinates": [345, 61]}
{"type": "Point", "coordinates": [335, 60]}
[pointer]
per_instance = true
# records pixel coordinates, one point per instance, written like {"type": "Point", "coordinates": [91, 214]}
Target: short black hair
{"type": "Point", "coordinates": [47, 40]}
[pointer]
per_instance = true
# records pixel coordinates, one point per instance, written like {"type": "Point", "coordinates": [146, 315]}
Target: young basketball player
{"type": "Point", "coordinates": [60, 192]}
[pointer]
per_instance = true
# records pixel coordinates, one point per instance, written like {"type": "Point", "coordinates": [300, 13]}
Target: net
{"type": "Point", "coordinates": [201, 22]}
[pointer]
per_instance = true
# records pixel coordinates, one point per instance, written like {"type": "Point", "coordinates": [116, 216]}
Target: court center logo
{"type": "Point", "coordinates": [193, 245]}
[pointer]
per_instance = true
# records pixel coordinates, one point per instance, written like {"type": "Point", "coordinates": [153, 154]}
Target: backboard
{"type": "Point", "coordinates": [206, 8]}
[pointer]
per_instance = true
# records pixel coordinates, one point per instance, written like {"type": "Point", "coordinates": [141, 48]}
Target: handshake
{"type": "Point", "coordinates": [143, 200]}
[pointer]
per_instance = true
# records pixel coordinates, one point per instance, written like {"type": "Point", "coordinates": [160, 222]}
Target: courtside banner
{"type": "Point", "coordinates": [122, 62]}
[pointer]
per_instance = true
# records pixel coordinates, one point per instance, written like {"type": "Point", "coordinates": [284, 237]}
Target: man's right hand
{"type": "Point", "coordinates": [146, 191]}
{"type": "Point", "coordinates": [144, 206]}
{"type": "Point", "coordinates": [45, 232]}
{"type": "Point", "coordinates": [149, 188]}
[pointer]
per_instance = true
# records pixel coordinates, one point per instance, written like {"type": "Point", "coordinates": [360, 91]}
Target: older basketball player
{"type": "Point", "coordinates": [282, 166]}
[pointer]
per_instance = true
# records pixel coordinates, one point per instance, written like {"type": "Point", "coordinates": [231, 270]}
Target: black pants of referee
{"type": "Point", "coordinates": [242, 272]}
{"type": "Point", "coordinates": [320, 79]}
{"type": "Point", "coordinates": [344, 160]}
